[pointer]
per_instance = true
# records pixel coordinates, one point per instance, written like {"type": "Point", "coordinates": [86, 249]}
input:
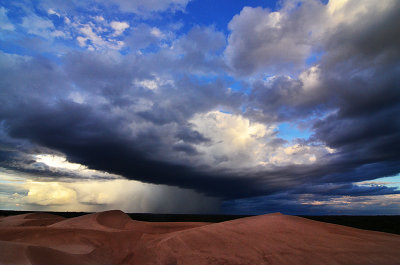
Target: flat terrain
{"type": "Point", "coordinates": [112, 237]}
{"type": "Point", "coordinates": [382, 223]}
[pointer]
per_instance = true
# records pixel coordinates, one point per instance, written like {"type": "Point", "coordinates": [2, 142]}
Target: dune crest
{"type": "Point", "coordinates": [104, 221]}
{"type": "Point", "coordinates": [113, 219]}
{"type": "Point", "coordinates": [112, 237]}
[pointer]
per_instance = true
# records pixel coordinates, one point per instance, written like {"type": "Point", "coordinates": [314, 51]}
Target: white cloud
{"type": "Point", "coordinates": [38, 26]}
{"type": "Point", "coordinates": [153, 84]}
{"type": "Point", "coordinates": [99, 18]}
{"type": "Point", "coordinates": [99, 34]}
{"type": "Point", "coordinates": [57, 161]}
{"type": "Point", "coordinates": [62, 165]}
{"type": "Point", "coordinates": [48, 193]}
{"type": "Point", "coordinates": [149, 84]}
{"type": "Point", "coordinates": [236, 142]}
{"type": "Point", "coordinates": [67, 20]}
{"type": "Point", "coordinates": [94, 41]}
{"type": "Point", "coordinates": [119, 27]}
{"type": "Point", "coordinates": [52, 12]}
{"type": "Point", "coordinates": [298, 154]}
{"type": "Point", "coordinates": [42, 27]}
{"type": "Point", "coordinates": [87, 30]}
{"type": "Point", "coordinates": [81, 41]}
{"type": "Point", "coordinates": [311, 78]}
{"type": "Point", "coordinates": [156, 32]}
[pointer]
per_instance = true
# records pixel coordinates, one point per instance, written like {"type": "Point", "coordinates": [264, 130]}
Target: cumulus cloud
{"type": "Point", "coordinates": [49, 194]}
{"type": "Point", "coordinates": [273, 42]}
{"type": "Point", "coordinates": [119, 27]}
{"type": "Point", "coordinates": [236, 142]}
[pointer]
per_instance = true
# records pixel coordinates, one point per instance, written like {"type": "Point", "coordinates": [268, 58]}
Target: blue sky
{"type": "Point", "coordinates": [230, 106]}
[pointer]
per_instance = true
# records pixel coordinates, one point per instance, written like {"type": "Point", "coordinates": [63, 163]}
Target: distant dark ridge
{"type": "Point", "coordinates": [381, 223]}
{"type": "Point", "coordinates": [63, 214]}
{"type": "Point", "coordinates": [150, 217]}
{"type": "Point", "coordinates": [212, 218]}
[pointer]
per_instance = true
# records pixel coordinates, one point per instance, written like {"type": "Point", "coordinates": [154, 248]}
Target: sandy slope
{"type": "Point", "coordinates": [113, 238]}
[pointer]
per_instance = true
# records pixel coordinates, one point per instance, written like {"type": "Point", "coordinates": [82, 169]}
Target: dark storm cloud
{"type": "Point", "coordinates": [190, 136]}
{"type": "Point", "coordinates": [372, 40]}
{"type": "Point", "coordinates": [103, 140]}
{"type": "Point", "coordinates": [122, 127]}
{"type": "Point", "coordinates": [186, 148]}
{"type": "Point", "coordinates": [284, 99]}
{"type": "Point", "coordinates": [96, 142]}
{"type": "Point", "coordinates": [99, 140]}
{"type": "Point", "coordinates": [365, 77]}
{"type": "Point", "coordinates": [358, 84]}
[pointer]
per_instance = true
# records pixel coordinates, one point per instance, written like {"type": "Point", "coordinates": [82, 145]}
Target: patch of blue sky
{"type": "Point", "coordinates": [125, 50]}
{"type": "Point", "coordinates": [8, 43]}
{"type": "Point", "coordinates": [225, 111]}
{"type": "Point", "coordinates": [58, 21]}
{"type": "Point", "coordinates": [238, 86]}
{"type": "Point", "coordinates": [291, 131]}
{"type": "Point", "coordinates": [393, 181]}
{"type": "Point", "coordinates": [11, 46]}
{"type": "Point", "coordinates": [109, 13]}
{"type": "Point", "coordinates": [235, 85]}
{"type": "Point", "coordinates": [15, 13]}
{"type": "Point", "coordinates": [314, 58]}
{"type": "Point", "coordinates": [151, 48]}
{"type": "Point", "coordinates": [207, 12]}
{"type": "Point", "coordinates": [36, 46]}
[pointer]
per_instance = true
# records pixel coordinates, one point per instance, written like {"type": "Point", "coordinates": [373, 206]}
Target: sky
{"type": "Point", "coordinates": [200, 106]}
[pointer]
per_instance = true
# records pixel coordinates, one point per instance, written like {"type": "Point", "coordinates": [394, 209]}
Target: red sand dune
{"type": "Point", "coordinates": [30, 219]}
{"type": "Point", "coordinates": [113, 238]}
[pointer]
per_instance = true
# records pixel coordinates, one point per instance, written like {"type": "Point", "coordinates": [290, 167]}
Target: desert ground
{"type": "Point", "coordinates": [112, 237]}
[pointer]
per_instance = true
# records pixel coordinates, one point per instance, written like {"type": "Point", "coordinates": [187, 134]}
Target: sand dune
{"type": "Point", "coordinates": [113, 238]}
{"type": "Point", "coordinates": [30, 219]}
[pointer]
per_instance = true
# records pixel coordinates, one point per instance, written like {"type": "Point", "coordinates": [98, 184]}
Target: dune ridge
{"type": "Point", "coordinates": [112, 237]}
